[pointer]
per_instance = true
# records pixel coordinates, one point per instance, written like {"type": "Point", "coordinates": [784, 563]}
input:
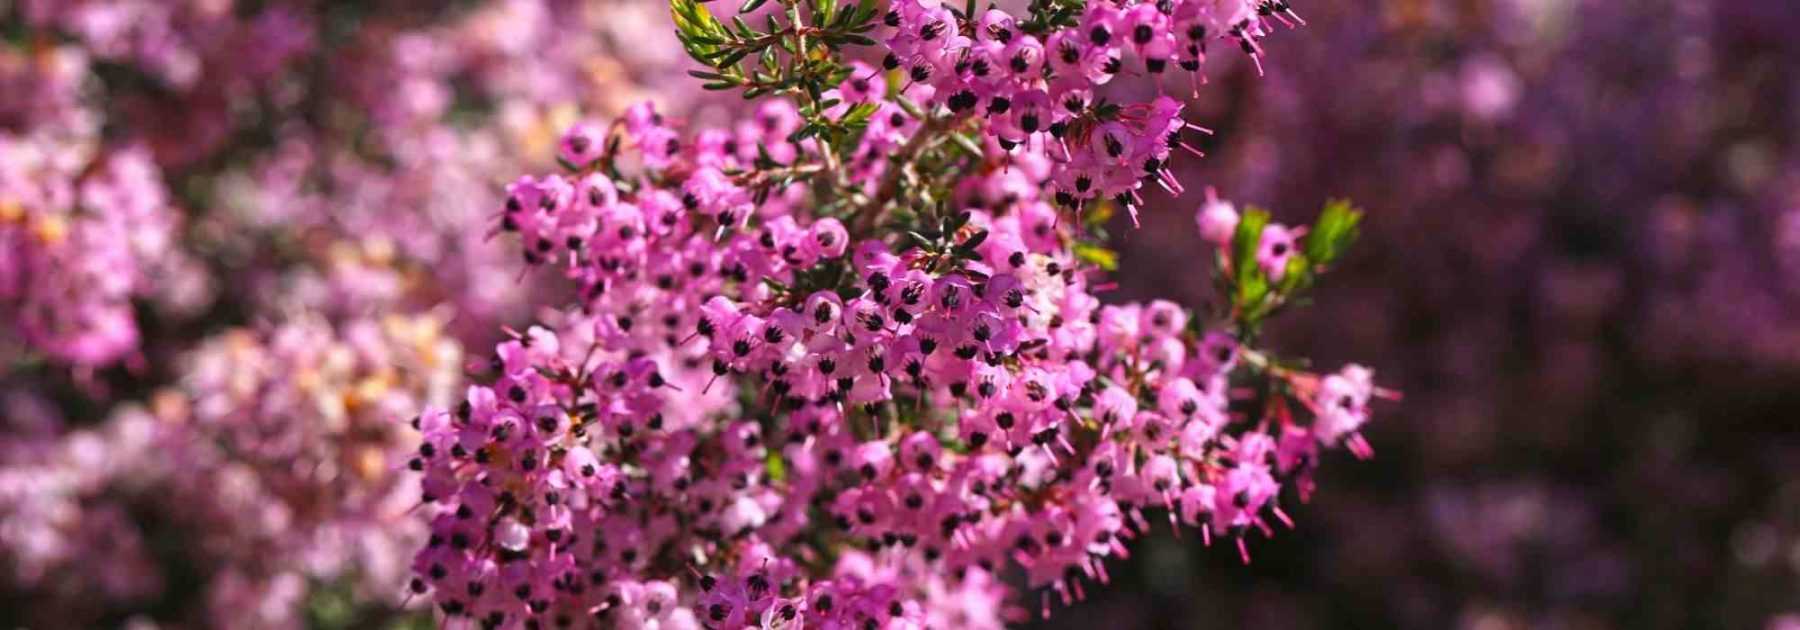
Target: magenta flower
{"type": "Point", "coordinates": [1274, 250]}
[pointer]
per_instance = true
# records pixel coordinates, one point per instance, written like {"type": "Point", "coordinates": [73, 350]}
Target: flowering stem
{"type": "Point", "coordinates": [866, 217]}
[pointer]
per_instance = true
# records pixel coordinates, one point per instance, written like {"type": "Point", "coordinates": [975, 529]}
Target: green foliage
{"type": "Point", "coordinates": [794, 53]}
{"type": "Point", "coordinates": [790, 58]}
{"type": "Point", "coordinates": [775, 466]}
{"type": "Point", "coordinates": [1098, 256]}
{"type": "Point", "coordinates": [1254, 295]}
{"type": "Point", "coordinates": [1251, 285]}
{"type": "Point", "coordinates": [700, 33]}
{"type": "Point", "coordinates": [1049, 15]}
{"type": "Point", "coordinates": [1333, 233]}
{"type": "Point", "coordinates": [334, 604]}
{"type": "Point", "coordinates": [945, 242]}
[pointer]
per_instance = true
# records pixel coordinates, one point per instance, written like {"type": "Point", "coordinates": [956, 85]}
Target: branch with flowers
{"type": "Point", "coordinates": [843, 364]}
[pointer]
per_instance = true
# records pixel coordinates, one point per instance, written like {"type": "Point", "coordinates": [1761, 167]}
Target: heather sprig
{"type": "Point", "coordinates": [843, 363]}
{"type": "Point", "coordinates": [1263, 266]}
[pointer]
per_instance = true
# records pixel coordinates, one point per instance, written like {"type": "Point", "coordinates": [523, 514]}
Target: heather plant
{"type": "Point", "coordinates": [211, 321]}
{"type": "Point", "coordinates": [83, 222]}
{"type": "Point", "coordinates": [323, 157]}
{"type": "Point", "coordinates": [274, 463]}
{"type": "Point", "coordinates": [845, 363]}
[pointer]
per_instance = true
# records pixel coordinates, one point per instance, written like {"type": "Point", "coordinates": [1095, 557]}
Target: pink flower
{"type": "Point", "coordinates": [1217, 219]}
{"type": "Point", "coordinates": [1342, 403]}
{"type": "Point", "coordinates": [582, 144]}
{"type": "Point", "coordinates": [1274, 250]}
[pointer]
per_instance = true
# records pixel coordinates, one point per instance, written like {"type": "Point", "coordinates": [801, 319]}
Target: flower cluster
{"type": "Point", "coordinates": [177, 43]}
{"type": "Point", "coordinates": [171, 171]}
{"type": "Point", "coordinates": [757, 413]}
{"type": "Point", "coordinates": [276, 458]}
{"type": "Point", "coordinates": [51, 528]}
{"type": "Point", "coordinates": [190, 70]}
{"type": "Point", "coordinates": [86, 218]}
{"type": "Point", "coordinates": [1037, 79]}
{"type": "Point", "coordinates": [80, 236]}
